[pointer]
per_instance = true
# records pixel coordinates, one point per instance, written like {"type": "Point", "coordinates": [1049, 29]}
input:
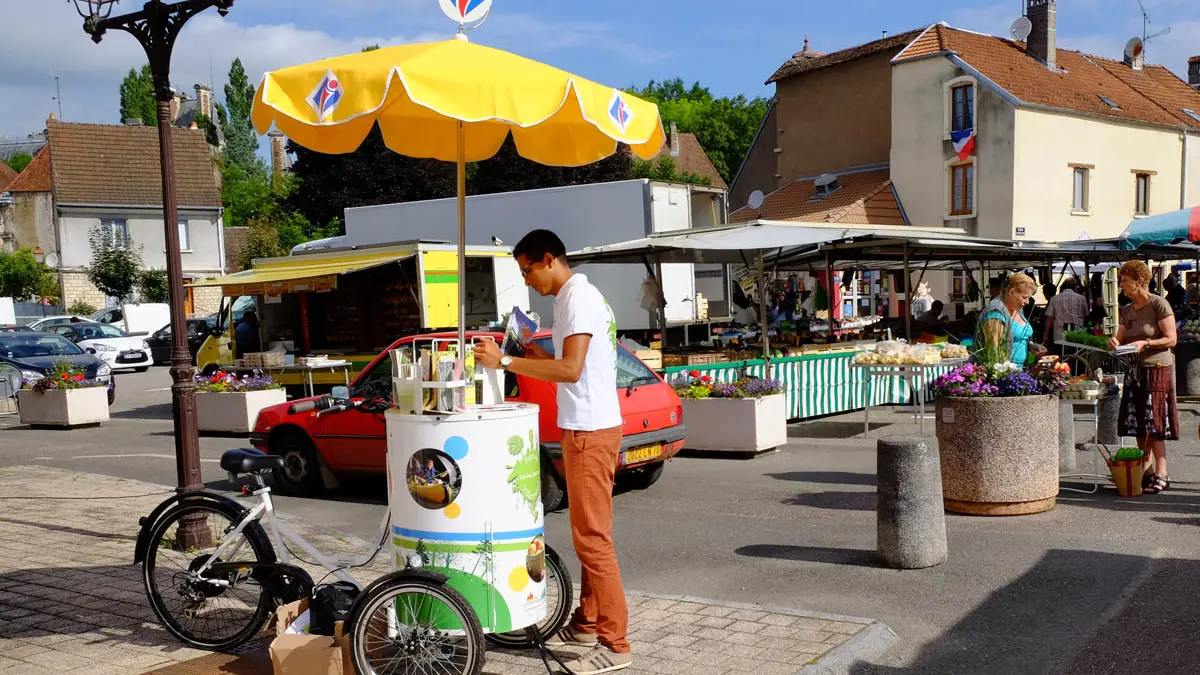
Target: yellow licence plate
{"type": "Point", "coordinates": [644, 454]}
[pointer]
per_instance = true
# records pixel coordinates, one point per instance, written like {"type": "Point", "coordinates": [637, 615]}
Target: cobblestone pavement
{"type": "Point", "coordinates": [71, 601]}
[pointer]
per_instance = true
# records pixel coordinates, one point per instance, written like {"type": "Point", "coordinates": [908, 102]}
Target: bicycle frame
{"type": "Point", "coordinates": [280, 533]}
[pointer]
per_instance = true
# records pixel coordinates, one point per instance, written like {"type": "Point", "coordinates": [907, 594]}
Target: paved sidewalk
{"type": "Point", "coordinates": [72, 602]}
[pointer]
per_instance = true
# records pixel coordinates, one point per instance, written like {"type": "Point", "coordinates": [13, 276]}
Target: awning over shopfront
{"type": "Point", "coordinates": [293, 274]}
{"type": "Point", "coordinates": [730, 244]}
{"type": "Point", "coordinates": [1164, 229]}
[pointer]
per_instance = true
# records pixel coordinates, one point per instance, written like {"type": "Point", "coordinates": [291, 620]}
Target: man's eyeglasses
{"type": "Point", "coordinates": [529, 268]}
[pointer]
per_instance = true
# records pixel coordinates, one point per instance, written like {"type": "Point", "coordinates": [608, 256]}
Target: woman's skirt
{"type": "Point", "coordinates": [1148, 407]}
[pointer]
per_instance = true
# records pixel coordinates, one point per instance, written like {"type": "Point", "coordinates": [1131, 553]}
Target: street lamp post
{"type": "Point", "coordinates": [155, 27]}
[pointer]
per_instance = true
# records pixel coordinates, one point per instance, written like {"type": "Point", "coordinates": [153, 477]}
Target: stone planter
{"type": "Point", "coordinates": [735, 425]}
{"type": "Point", "coordinates": [999, 455]}
{"type": "Point", "coordinates": [234, 412]}
{"type": "Point", "coordinates": [63, 407]}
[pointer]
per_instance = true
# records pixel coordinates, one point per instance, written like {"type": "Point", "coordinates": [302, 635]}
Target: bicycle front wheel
{"type": "Point", "coordinates": [409, 625]}
{"type": "Point", "coordinates": [224, 606]}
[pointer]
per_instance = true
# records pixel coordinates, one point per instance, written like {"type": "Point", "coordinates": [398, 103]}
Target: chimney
{"type": "Point", "coordinates": [278, 153]}
{"type": "Point", "coordinates": [53, 117]}
{"type": "Point", "coordinates": [174, 107]}
{"type": "Point", "coordinates": [1194, 72]}
{"type": "Point", "coordinates": [674, 140]}
{"type": "Point", "coordinates": [1043, 37]}
{"type": "Point", "coordinates": [204, 103]}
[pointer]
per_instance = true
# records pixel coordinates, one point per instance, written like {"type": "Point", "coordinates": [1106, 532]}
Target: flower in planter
{"type": "Point", "coordinates": [228, 383]}
{"type": "Point", "coordinates": [976, 380]}
{"type": "Point", "coordinates": [748, 387]}
{"type": "Point", "coordinates": [61, 376]}
{"type": "Point", "coordinates": [693, 386]}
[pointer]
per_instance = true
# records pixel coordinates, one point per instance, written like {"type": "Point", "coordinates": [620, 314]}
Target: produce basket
{"type": "Point", "coordinates": [1126, 467]}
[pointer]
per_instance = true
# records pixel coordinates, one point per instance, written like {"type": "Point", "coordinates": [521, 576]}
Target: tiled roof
{"type": "Point", "coordinates": [804, 61]}
{"type": "Point", "coordinates": [119, 165]}
{"type": "Point", "coordinates": [35, 177]}
{"type": "Point", "coordinates": [7, 175]}
{"type": "Point", "coordinates": [1153, 94]}
{"type": "Point", "coordinates": [693, 158]}
{"type": "Point", "coordinates": [865, 198]}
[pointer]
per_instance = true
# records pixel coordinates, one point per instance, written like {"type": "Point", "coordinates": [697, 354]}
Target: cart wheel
{"type": "Point", "coordinates": [558, 606]}
{"type": "Point", "coordinates": [410, 625]}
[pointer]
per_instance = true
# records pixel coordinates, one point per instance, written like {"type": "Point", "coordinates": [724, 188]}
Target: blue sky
{"type": "Point", "coordinates": [731, 47]}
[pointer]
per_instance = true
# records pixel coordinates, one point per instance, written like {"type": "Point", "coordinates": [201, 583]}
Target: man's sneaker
{"type": "Point", "coordinates": [599, 659]}
{"type": "Point", "coordinates": [569, 637]}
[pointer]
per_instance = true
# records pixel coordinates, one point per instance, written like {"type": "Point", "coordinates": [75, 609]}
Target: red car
{"type": "Point", "coordinates": [317, 449]}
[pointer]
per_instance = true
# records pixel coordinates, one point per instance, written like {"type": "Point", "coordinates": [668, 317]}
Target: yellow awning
{"type": "Point", "coordinates": [294, 275]}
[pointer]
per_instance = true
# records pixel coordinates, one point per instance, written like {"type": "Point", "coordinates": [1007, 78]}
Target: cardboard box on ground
{"type": "Point", "coordinates": [304, 654]}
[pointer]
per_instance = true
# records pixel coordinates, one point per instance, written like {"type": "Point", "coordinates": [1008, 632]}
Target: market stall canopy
{"type": "Point", "coordinates": [420, 93]}
{"type": "Point", "coordinates": [733, 243]}
{"type": "Point", "coordinates": [1164, 229]}
{"type": "Point", "coordinates": [292, 274]}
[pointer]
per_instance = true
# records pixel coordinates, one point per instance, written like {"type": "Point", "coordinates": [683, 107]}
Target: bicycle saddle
{"type": "Point", "coordinates": [249, 460]}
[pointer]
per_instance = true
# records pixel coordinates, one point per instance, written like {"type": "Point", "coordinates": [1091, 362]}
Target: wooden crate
{"type": "Point", "coordinates": [653, 358]}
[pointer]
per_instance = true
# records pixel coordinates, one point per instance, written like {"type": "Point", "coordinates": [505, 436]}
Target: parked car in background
{"type": "Point", "coordinates": [357, 442]}
{"type": "Point", "coordinates": [34, 353]}
{"type": "Point", "coordinates": [135, 319]}
{"type": "Point", "coordinates": [113, 345]}
{"type": "Point", "coordinates": [48, 322]}
{"type": "Point", "coordinates": [198, 331]}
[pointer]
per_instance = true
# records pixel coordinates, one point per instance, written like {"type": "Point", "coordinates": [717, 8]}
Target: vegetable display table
{"type": "Point", "coordinates": [917, 376]}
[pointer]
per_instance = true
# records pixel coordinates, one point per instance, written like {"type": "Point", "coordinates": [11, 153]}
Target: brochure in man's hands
{"type": "Point", "coordinates": [518, 329]}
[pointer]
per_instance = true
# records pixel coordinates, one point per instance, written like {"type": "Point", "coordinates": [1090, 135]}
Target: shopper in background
{"type": "Point", "coordinates": [1067, 311]}
{"type": "Point", "coordinates": [1148, 407]}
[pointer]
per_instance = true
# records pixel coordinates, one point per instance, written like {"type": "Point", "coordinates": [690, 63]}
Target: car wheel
{"type": "Point", "coordinates": [301, 472]}
{"type": "Point", "coordinates": [209, 370]}
{"type": "Point", "coordinates": [640, 479]}
{"type": "Point", "coordinates": [554, 493]}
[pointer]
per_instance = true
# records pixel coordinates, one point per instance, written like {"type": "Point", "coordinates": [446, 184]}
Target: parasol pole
{"type": "Point", "coordinates": [462, 241]}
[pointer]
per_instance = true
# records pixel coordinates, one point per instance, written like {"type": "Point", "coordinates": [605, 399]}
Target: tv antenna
{"type": "Point", "coordinates": [57, 95]}
{"type": "Point", "coordinates": [1146, 37]}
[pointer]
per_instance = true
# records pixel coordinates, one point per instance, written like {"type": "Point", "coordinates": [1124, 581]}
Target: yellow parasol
{"type": "Point", "coordinates": [454, 101]}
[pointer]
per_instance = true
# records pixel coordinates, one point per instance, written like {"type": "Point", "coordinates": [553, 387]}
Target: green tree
{"type": "Point", "coordinates": [508, 171]}
{"type": "Point", "coordinates": [210, 129]}
{"type": "Point", "coordinates": [137, 97]}
{"type": "Point", "coordinates": [725, 126]}
{"type": "Point", "coordinates": [372, 174]}
{"type": "Point", "coordinates": [241, 141]}
{"type": "Point", "coordinates": [245, 193]}
{"type": "Point", "coordinates": [19, 161]}
{"type": "Point", "coordinates": [155, 286]}
{"type": "Point", "coordinates": [262, 241]}
{"type": "Point", "coordinates": [116, 266]}
{"type": "Point", "coordinates": [665, 169]}
{"type": "Point", "coordinates": [22, 277]}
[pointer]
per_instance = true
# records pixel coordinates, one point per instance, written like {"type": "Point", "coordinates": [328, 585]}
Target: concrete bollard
{"type": "Point", "coordinates": [1108, 411]}
{"type": "Point", "coordinates": [911, 522]}
{"type": "Point", "coordinates": [1066, 437]}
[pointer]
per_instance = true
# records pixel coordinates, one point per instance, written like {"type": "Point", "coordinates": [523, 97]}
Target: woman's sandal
{"type": "Point", "coordinates": [1148, 479]}
{"type": "Point", "coordinates": [1160, 483]}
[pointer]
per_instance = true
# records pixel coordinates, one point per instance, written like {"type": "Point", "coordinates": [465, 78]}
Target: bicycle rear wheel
{"type": "Point", "coordinates": [558, 606]}
{"type": "Point", "coordinates": [223, 608]}
{"type": "Point", "coordinates": [413, 625]}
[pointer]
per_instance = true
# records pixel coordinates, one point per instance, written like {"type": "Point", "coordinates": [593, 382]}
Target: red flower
{"type": "Point", "coordinates": [65, 376]}
{"type": "Point", "coordinates": [694, 373]}
{"type": "Point", "coordinates": [78, 377]}
{"type": "Point", "coordinates": [706, 379]}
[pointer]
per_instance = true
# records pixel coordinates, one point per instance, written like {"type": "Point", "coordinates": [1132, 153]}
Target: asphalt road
{"type": "Point", "coordinates": [1097, 585]}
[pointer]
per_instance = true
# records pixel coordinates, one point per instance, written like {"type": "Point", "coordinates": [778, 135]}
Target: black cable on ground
{"type": "Point", "coordinates": [545, 653]}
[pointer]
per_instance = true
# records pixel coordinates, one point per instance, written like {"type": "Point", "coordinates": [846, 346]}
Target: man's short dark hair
{"type": "Point", "coordinates": [535, 245]}
{"type": "Point", "coordinates": [937, 306]}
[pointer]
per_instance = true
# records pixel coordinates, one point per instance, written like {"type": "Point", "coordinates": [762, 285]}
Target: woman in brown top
{"type": "Point", "coordinates": [1148, 409]}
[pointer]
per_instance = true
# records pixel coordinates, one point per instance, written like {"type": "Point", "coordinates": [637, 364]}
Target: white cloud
{"type": "Point", "coordinates": [44, 39]}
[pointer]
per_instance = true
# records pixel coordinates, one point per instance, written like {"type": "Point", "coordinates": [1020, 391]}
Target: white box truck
{"type": "Point", "coordinates": [583, 215]}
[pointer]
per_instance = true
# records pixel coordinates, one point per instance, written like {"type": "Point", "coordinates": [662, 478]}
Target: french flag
{"type": "Point", "coordinates": [964, 143]}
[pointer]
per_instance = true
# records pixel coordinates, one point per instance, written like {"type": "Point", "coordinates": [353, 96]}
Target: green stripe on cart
{"type": "Point", "coordinates": [437, 547]}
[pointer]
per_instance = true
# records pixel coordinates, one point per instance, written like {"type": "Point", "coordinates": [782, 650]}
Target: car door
{"type": "Point", "coordinates": [357, 441]}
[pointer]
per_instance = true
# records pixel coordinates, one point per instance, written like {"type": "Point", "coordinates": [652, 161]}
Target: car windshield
{"type": "Point", "coordinates": [101, 330]}
{"type": "Point", "coordinates": [630, 369]}
{"type": "Point", "coordinates": [32, 345]}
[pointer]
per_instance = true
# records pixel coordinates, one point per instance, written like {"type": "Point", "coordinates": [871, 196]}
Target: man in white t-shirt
{"type": "Point", "coordinates": [584, 365]}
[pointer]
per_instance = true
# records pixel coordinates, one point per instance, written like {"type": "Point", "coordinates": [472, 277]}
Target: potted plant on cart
{"type": "Point", "coordinates": [747, 416]}
{"type": "Point", "coordinates": [226, 403]}
{"type": "Point", "coordinates": [997, 432]}
{"type": "Point", "coordinates": [63, 397]}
